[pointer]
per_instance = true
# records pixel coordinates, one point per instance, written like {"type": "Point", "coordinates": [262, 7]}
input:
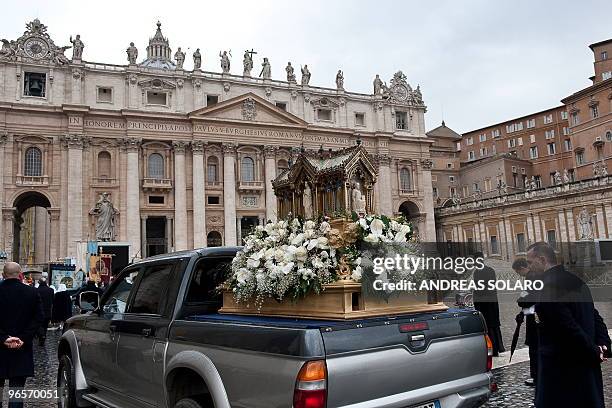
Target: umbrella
{"type": "Point", "coordinates": [519, 321]}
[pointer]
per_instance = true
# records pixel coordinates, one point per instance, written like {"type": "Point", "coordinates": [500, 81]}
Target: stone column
{"type": "Point", "coordinates": [75, 191]}
{"type": "Point", "coordinates": [530, 236]}
{"type": "Point", "coordinates": [3, 138]}
{"type": "Point", "coordinates": [503, 250]}
{"type": "Point", "coordinates": [169, 232]}
{"type": "Point", "coordinates": [570, 225]}
{"type": "Point", "coordinates": [537, 226]}
{"type": "Point", "coordinates": [132, 90]}
{"type": "Point", "coordinates": [54, 227]}
{"type": "Point", "coordinates": [133, 196]}
{"type": "Point", "coordinates": [8, 217]}
{"type": "Point", "coordinates": [199, 194]}
{"type": "Point", "coordinates": [608, 208]}
{"type": "Point", "coordinates": [270, 170]}
{"type": "Point", "coordinates": [601, 227]}
{"type": "Point", "coordinates": [77, 81]}
{"type": "Point", "coordinates": [509, 238]}
{"type": "Point", "coordinates": [143, 234]}
{"type": "Point", "coordinates": [562, 228]}
{"type": "Point", "coordinates": [229, 192]}
{"type": "Point", "coordinates": [180, 95]}
{"type": "Point", "coordinates": [384, 178]}
{"type": "Point", "coordinates": [180, 197]}
{"type": "Point", "coordinates": [428, 204]}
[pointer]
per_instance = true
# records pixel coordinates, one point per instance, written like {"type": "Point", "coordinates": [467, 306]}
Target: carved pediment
{"type": "Point", "coordinates": [247, 108]}
{"type": "Point", "coordinates": [157, 84]}
{"type": "Point", "coordinates": [324, 103]}
{"type": "Point", "coordinates": [35, 46]}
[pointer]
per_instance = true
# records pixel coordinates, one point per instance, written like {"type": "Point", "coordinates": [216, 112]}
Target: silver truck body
{"type": "Point", "coordinates": [141, 360]}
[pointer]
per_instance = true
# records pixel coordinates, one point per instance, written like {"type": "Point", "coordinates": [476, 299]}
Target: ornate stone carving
{"type": "Point", "coordinates": [3, 137]}
{"type": "Point", "coordinates": [225, 61]}
{"type": "Point", "coordinates": [157, 84]}
{"type": "Point", "coordinates": [132, 54]}
{"type": "Point", "coordinates": [290, 74]}
{"type": "Point", "coordinates": [131, 143]}
{"type": "Point", "coordinates": [340, 80]}
{"type": "Point", "coordinates": [197, 59]}
{"type": "Point", "coordinates": [180, 82]}
{"type": "Point", "coordinates": [75, 141]}
{"type": "Point", "coordinates": [379, 106]}
{"type": "Point", "coordinates": [197, 83]}
{"type": "Point", "coordinates": [585, 223]}
{"type": "Point", "coordinates": [105, 224]}
{"type": "Point", "coordinates": [341, 101]}
{"type": "Point", "coordinates": [426, 164]}
{"type": "Point", "coordinates": [35, 45]}
{"type": "Point", "coordinates": [227, 86]}
{"type": "Point", "coordinates": [198, 146]}
{"type": "Point", "coordinates": [77, 47]}
{"type": "Point", "coordinates": [247, 62]}
{"type": "Point", "coordinates": [324, 102]}
{"type": "Point", "coordinates": [294, 94]}
{"type": "Point", "coordinates": [266, 70]}
{"type": "Point", "coordinates": [249, 109]}
{"type": "Point", "coordinates": [179, 146]}
{"type": "Point", "coordinates": [179, 57]}
{"type": "Point", "coordinates": [268, 91]}
{"type": "Point", "coordinates": [249, 201]}
{"type": "Point", "coordinates": [305, 75]}
{"type": "Point", "coordinates": [229, 149]}
{"type": "Point", "coordinates": [77, 73]}
{"type": "Point", "coordinates": [384, 160]}
{"type": "Point", "coordinates": [306, 97]}
{"type": "Point", "coordinates": [214, 220]}
{"type": "Point", "coordinates": [378, 85]}
{"type": "Point", "coordinates": [270, 152]}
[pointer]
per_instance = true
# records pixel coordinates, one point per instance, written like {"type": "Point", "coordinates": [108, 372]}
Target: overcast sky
{"type": "Point", "coordinates": [478, 62]}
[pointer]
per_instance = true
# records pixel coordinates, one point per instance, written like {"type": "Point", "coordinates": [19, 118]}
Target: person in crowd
{"type": "Point", "coordinates": [486, 302]}
{"type": "Point", "coordinates": [46, 296]}
{"type": "Point", "coordinates": [62, 305]}
{"type": "Point", "coordinates": [21, 314]}
{"type": "Point", "coordinates": [527, 304]}
{"type": "Point", "coordinates": [90, 286]}
{"type": "Point", "coordinates": [573, 338]}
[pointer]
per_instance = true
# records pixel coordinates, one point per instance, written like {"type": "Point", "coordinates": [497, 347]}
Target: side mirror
{"type": "Point", "coordinates": [88, 301]}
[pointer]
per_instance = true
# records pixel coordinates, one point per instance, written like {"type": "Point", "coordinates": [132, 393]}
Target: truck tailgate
{"type": "Point", "coordinates": [368, 362]}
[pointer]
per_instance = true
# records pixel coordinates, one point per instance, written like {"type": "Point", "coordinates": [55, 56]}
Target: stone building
{"type": "Point", "coordinates": [543, 176]}
{"type": "Point", "coordinates": [186, 157]}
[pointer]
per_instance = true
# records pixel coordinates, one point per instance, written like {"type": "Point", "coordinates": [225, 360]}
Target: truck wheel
{"type": "Point", "coordinates": [192, 403]}
{"type": "Point", "coordinates": [65, 383]}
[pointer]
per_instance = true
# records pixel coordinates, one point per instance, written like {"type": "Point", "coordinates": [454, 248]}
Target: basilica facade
{"type": "Point", "coordinates": [175, 157]}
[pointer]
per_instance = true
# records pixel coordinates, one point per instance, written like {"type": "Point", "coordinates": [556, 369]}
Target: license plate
{"type": "Point", "coordinates": [432, 404]}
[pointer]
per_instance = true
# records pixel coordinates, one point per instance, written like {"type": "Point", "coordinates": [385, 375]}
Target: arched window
{"type": "Point", "coordinates": [248, 169]}
{"type": "Point", "coordinates": [156, 166]}
{"type": "Point", "coordinates": [213, 239]}
{"type": "Point", "coordinates": [609, 136]}
{"type": "Point", "coordinates": [104, 165]}
{"type": "Point", "coordinates": [212, 167]}
{"type": "Point", "coordinates": [282, 165]}
{"type": "Point", "coordinates": [405, 182]}
{"type": "Point", "coordinates": [33, 162]}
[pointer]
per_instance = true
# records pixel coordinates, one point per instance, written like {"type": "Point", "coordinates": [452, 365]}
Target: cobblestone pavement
{"type": "Point", "coordinates": [510, 379]}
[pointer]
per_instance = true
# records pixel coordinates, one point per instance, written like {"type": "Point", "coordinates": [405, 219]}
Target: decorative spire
{"type": "Point", "coordinates": [159, 54]}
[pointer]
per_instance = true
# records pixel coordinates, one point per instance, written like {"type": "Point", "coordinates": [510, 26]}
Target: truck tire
{"type": "Point", "coordinates": [65, 383]}
{"type": "Point", "coordinates": [189, 403]}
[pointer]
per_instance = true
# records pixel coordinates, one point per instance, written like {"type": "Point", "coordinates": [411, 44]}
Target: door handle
{"type": "Point", "coordinates": [112, 331]}
{"type": "Point", "coordinates": [146, 332]}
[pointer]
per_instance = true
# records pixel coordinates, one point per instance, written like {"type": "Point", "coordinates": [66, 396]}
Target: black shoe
{"type": "Point", "coordinates": [530, 383]}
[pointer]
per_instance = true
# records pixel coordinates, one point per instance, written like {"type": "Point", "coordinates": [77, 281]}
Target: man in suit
{"type": "Point", "coordinates": [21, 315]}
{"type": "Point", "coordinates": [46, 297]}
{"type": "Point", "coordinates": [573, 339]}
{"type": "Point", "coordinates": [486, 302]}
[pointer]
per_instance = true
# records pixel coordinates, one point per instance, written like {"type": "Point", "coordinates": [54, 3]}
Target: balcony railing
{"type": "Point", "coordinates": [32, 180]}
{"type": "Point", "coordinates": [251, 185]}
{"type": "Point", "coordinates": [157, 183]}
{"type": "Point", "coordinates": [214, 185]}
{"type": "Point", "coordinates": [103, 181]}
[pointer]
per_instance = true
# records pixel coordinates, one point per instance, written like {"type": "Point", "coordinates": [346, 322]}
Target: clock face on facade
{"type": "Point", "coordinates": [399, 92]}
{"type": "Point", "coordinates": [36, 48]}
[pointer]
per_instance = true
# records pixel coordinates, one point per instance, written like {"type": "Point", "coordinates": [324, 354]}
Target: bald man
{"type": "Point", "coordinates": [21, 314]}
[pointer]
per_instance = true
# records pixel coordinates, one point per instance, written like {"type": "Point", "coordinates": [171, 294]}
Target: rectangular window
{"type": "Point", "coordinates": [465, 191]}
{"type": "Point", "coordinates": [511, 143]}
{"type": "Point", "coordinates": [105, 95]}
{"type": "Point", "coordinates": [493, 149]}
{"type": "Point", "coordinates": [470, 141]}
{"type": "Point", "coordinates": [533, 152]}
{"type": "Point", "coordinates": [531, 123]}
{"type": "Point", "coordinates": [157, 98]}
{"type": "Point", "coordinates": [604, 55]}
{"type": "Point", "coordinates": [360, 119]}
{"type": "Point", "coordinates": [548, 119]}
{"type": "Point", "coordinates": [552, 148]}
{"type": "Point", "coordinates": [579, 158]}
{"type": "Point", "coordinates": [532, 138]}
{"type": "Point", "coordinates": [483, 151]}
{"type": "Point", "coordinates": [551, 238]}
{"type": "Point", "coordinates": [458, 146]}
{"type": "Point", "coordinates": [281, 105]}
{"type": "Point", "coordinates": [550, 134]}
{"type": "Point", "coordinates": [594, 111]}
{"type": "Point", "coordinates": [483, 137]}
{"type": "Point", "coordinates": [518, 126]}
{"type": "Point", "coordinates": [324, 114]}
{"type": "Point", "coordinates": [449, 165]}
{"type": "Point", "coordinates": [34, 84]}
{"type": "Point", "coordinates": [606, 75]}
{"type": "Point", "coordinates": [213, 200]}
{"type": "Point", "coordinates": [475, 187]}
{"type": "Point", "coordinates": [156, 199]}
{"type": "Point", "coordinates": [520, 141]}
{"type": "Point", "coordinates": [212, 100]}
{"type": "Point", "coordinates": [451, 179]}
{"type": "Point", "coordinates": [566, 131]}
{"type": "Point", "coordinates": [520, 242]}
{"type": "Point", "coordinates": [510, 128]}
{"type": "Point", "coordinates": [494, 245]}
{"type": "Point", "coordinates": [401, 120]}
{"type": "Point", "coordinates": [471, 155]}
{"type": "Point", "coordinates": [564, 115]}
{"type": "Point", "coordinates": [495, 133]}
{"type": "Point", "coordinates": [568, 145]}
{"type": "Point", "coordinates": [150, 293]}
{"type": "Point", "coordinates": [538, 181]}
{"type": "Point", "coordinates": [452, 191]}
{"type": "Point", "coordinates": [435, 191]}
{"type": "Point", "coordinates": [487, 185]}
{"type": "Point", "coordinates": [575, 118]}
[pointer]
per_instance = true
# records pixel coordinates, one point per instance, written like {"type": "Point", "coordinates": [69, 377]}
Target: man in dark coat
{"type": "Point", "coordinates": [46, 296]}
{"type": "Point", "coordinates": [20, 317]}
{"type": "Point", "coordinates": [527, 304]}
{"type": "Point", "coordinates": [573, 339]}
{"type": "Point", "coordinates": [485, 301]}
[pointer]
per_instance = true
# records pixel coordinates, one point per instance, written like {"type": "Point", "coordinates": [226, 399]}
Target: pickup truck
{"type": "Point", "coordinates": [156, 339]}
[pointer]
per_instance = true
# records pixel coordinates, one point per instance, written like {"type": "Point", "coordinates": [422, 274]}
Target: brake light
{"type": "Point", "coordinates": [489, 353]}
{"type": "Point", "coordinates": [311, 386]}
